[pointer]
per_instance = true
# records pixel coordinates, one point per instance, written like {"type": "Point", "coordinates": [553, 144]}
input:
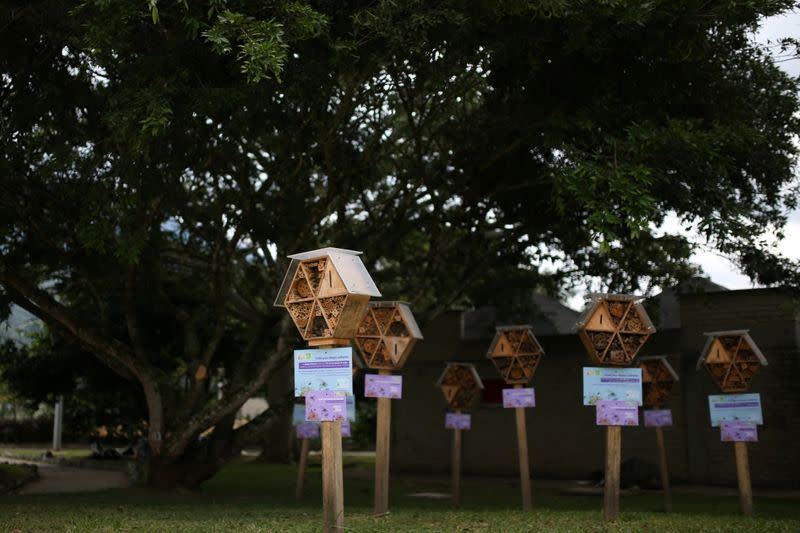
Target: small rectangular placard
{"type": "Point", "coordinates": [325, 406]}
{"type": "Point", "coordinates": [381, 386]}
{"type": "Point", "coordinates": [329, 369]}
{"type": "Point", "coordinates": [457, 421]}
{"type": "Point", "coordinates": [735, 408]}
{"type": "Point", "coordinates": [346, 428]}
{"type": "Point", "coordinates": [617, 413]}
{"type": "Point", "coordinates": [738, 432]}
{"type": "Point", "coordinates": [612, 384]}
{"type": "Point", "coordinates": [513, 398]}
{"type": "Point", "coordinates": [307, 430]}
{"type": "Point", "coordinates": [298, 414]}
{"type": "Point", "coordinates": [351, 408]}
{"type": "Point", "coordinates": [656, 418]}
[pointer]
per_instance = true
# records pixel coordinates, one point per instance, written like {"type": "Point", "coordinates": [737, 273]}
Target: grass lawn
{"type": "Point", "coordinates": [249, 496]}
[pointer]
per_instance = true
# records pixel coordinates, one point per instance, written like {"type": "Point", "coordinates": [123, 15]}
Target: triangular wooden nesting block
{"type": "Point", "coordinates": [394, 326]}
{"type": "Point", "coordinates": [502, 348]}
{"type": "Point", "coordinates": [331, 283]}
{"type": "Point", "coordinates": [460, 385]}
{"type": "Point", "coordinates": [337, 286]}
{"type": "Point", "coordinates": [613, 328]}
{"type": "Point", "coordinates": [731, 358]}
{"type": "Point", "coordinates": [600, 320]}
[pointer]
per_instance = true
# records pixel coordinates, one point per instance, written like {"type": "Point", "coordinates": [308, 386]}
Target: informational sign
{"type": "Point", "coordinates": [735, 408]}
{"type": "Point", "coordinates": [325, 406]}
{"type": "Point", "coordinates": [381, 386]}
{"type": "Point", "coordinates": [328, 369]}
{"type": "Point", "coordinates": [656, 418]}
{"type": "Point", "coordinates": [346, 428]}
{"type": "Point", "coordinates": [307, 430]}
{"type": "Point", "coordinates": [457, 421]}
{"type": "Point", "coordinates": [513, 398]}
{"type": "Point", "coordinates": [738, 432]}
{"type": "Point", "coordinates": [617, 413]}
{"type": "Point", "coordinates": [612, 384]}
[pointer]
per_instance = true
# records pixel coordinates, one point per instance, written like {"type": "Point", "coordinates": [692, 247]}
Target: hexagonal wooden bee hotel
{"type": "Point", "coordinates": [658, 378]}
{"type": "Point", "coordinates": [732, 359]}
{"type": "Point", "coordinates": [515, 353]}
{"type": "Point", "coordinates": [326, 292]}
{"type": "Point", "coordinates": [613, 328]}
{"type": "Point", "coordinates": [460, 385]}
{"type": "Point", "coordinates": [387, 334]}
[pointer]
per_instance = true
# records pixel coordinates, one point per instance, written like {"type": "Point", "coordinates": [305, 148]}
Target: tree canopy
{"type": "Point", "coordinates": [162, 158]}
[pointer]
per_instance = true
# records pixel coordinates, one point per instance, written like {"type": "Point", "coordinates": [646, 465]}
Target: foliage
{"type": "Point", "coordinates": [54, 366]}
{"type": "Point", "coordinates": [164, 157]}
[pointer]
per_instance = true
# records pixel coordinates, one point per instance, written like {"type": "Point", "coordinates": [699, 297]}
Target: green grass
{"type": "Point", "coordinates": [249, 497]}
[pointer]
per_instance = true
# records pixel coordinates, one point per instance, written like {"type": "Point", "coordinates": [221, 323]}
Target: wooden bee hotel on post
{"type": "Point", "coordinates": [613, 329]}
{"type": "Point", "coordinates": [732, 358]}
{"type": "Point", "coordinates": [460, 385]}
{"type": "Point", "coordinates": [326, 293]}
{"type": "Point", "coordinates": [658, 380]}
{"type": "Point", "coordinates": [385, 338]}
{"type": "Point", "coordinates": [515, 353]}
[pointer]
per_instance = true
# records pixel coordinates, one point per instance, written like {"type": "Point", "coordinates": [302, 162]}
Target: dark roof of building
{"type": "Point", "coordinates": [547, 316]}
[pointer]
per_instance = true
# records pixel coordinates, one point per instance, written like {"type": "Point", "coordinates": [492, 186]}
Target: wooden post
{"type": "Point", "coordinates": [382, 453]}
{"type": "Point", "coordinates": [332, 479]}
{"type": "Point", "coordinates": [455, 469]}
{"type": "Point", "coordinates": [662, 462]}
{"type": "Point", "coordinates": [301, 469]}
{"type": "Point", "coordinates": [743, 476]}
{"type": "Point", "coordinates": [613, 459]}
{"type": "Point", "coordinates": [522, 447]}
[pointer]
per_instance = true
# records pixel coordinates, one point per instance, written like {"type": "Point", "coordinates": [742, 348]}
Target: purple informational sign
{"type": "Point", "coordinates": [617, 413]}
{"type": "Point", "coordinates": [738, 432]}
{"type": "Point", "coordinates": [325, 406]}
{"type": "Point", "coordinates": [346, 428]}
{"type": "Point", "coordinates": [380, 386]}
{"type": "Point", "coordinates": [519, 398]}
{"type": "Point", "coordinates": [307, 430]}
{"type": "Point", "coordinates": [457, 421]}
{"type": "Point", "coordinates": [656, 418]}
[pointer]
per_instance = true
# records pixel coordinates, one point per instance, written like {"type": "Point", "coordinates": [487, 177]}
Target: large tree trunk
{"type": "Point", "coordinates": [276, 443]}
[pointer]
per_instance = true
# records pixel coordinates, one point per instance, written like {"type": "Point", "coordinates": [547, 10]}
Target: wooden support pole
{"type": "Point", "coordinates": [613, 459]}
{"type": "Point", "coordinates": [301, 469]}
{"type": "Point", "coordinates": [455, 469]}
{"type": "Point", "coordinates": [332, 479]}
{"type": "Point", "coordinates": [743, 476]}
{"type": "Point", "coordinates": [522, 447]}
{"type": "Point", "coordinates": [662, 463]}
{"type": "Point", "coordinates": [382, 453]}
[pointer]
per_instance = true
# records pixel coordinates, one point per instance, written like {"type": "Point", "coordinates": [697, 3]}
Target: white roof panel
{"type": "Point", "coordinates": [351, 269]}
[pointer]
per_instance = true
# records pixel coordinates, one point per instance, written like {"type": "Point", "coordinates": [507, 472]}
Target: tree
{"type": "Point", "coordinates": [164, 158]}
{"type": "Point", "coordinates": [54, 365]}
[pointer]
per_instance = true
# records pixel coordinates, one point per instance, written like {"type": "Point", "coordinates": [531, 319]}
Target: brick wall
{"type": "Point", "coordinates": [563, 439]}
